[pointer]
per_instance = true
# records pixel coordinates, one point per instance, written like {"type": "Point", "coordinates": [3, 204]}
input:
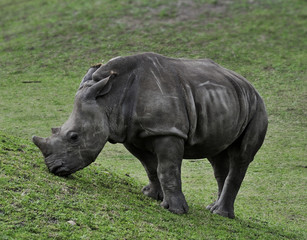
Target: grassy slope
{"type": "Point", "coordinates": [54, 42]}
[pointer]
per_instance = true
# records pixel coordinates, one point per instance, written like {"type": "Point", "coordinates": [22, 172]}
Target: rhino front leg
{"type": "Point", "coordinates": [150, 163]}
{"type": "Point", "coordinates": [169, 151]}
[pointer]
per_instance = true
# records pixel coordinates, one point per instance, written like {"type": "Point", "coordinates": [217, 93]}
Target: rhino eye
{"type": "Point", "coordinates": [73, 136]}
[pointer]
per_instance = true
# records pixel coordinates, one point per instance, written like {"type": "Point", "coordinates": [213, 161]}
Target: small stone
{"type": "Point", "coordinates": [71, 222]}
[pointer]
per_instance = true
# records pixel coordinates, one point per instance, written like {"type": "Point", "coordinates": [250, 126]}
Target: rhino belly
{"type": "Point", "coordinates": [205, 149]}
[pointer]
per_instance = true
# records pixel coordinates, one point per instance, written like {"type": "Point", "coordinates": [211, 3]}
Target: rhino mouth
{"type": "Point", "coordinates": [60, 170]}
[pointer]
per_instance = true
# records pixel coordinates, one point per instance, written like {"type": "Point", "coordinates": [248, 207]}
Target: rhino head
{"type": "Point", "coordinates": [80, 139]}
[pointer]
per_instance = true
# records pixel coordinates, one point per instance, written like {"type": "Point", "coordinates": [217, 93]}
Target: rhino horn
{"type": "Point", "coordinates": [42, 144]}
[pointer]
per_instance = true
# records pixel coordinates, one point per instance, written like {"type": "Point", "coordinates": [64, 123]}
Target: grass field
{"type": "Point", "coordinates": [45, 49]}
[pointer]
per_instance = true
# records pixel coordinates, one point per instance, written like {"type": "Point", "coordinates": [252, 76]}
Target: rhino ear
{"type": "Point", "coordinates": [101, 88]}
{"type": "Point", "coordinates": [88, 75]}
{"type": "Point", "coordinates": [55, 130]}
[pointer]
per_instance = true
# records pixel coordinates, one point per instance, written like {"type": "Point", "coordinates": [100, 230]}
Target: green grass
{"type": "Point", "coordinates": [54, 43]}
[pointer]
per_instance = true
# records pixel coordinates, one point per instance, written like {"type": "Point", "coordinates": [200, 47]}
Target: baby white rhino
{"type": "Point", "coordinates": [163, 110]}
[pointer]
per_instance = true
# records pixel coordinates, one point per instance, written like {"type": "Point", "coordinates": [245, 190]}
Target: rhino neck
{"type": "Point", "coordinates": [117, 126]}
{"type": "Point", "coordinates": [120, 102]}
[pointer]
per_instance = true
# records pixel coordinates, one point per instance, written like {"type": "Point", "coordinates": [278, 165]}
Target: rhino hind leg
{"type": "Point", "coordinates": [220, 165]}
{"type": "Point", "coordinates": [239, 155]}
{"type": "Point", "coordinates": [228, 186]}
{"type": "Point", "coordinates": [150, 163]}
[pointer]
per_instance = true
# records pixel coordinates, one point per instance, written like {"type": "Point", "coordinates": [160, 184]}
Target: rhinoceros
{"type": "Point", "coordinates": [164, 110]}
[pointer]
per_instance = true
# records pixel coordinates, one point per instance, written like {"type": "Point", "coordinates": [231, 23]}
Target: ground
{"type": "Point", "coordinates": [45, 49]}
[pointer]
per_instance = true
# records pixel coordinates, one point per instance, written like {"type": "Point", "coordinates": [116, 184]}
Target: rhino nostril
{"type": "Point", "coordinates": [55, 167]}
{"type": "Point", "coordinates": [47, 154]}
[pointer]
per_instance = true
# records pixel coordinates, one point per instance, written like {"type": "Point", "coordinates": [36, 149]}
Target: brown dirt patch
{"type": "Point", "coordinates": [176, 12]}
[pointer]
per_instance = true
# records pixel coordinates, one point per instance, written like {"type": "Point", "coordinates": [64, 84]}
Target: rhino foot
{"type": "Point", "coordinates": [176, 204]}
{"type": "Point", "coordinates": [153, 191]}
{"type": "Point", "coordinates": [224, 213]}
{"type": "Point", "coordinates": [215, 208]}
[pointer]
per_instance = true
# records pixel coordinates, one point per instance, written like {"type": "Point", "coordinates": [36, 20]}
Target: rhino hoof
{"type": "Point", "coordinates": [210, 206]}
{"type": "Point", "coordinates": [215, 208]}
{"type": "Point", "coordinates": [224, 213]}
{"type": "Point", "coordinates": [153, 192]}
{"type": "Point", "coordinates": [177, 205]}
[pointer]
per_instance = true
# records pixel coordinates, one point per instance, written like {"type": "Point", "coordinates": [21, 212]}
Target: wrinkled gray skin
{"type": "Point", "coordinates": [163, 110]}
